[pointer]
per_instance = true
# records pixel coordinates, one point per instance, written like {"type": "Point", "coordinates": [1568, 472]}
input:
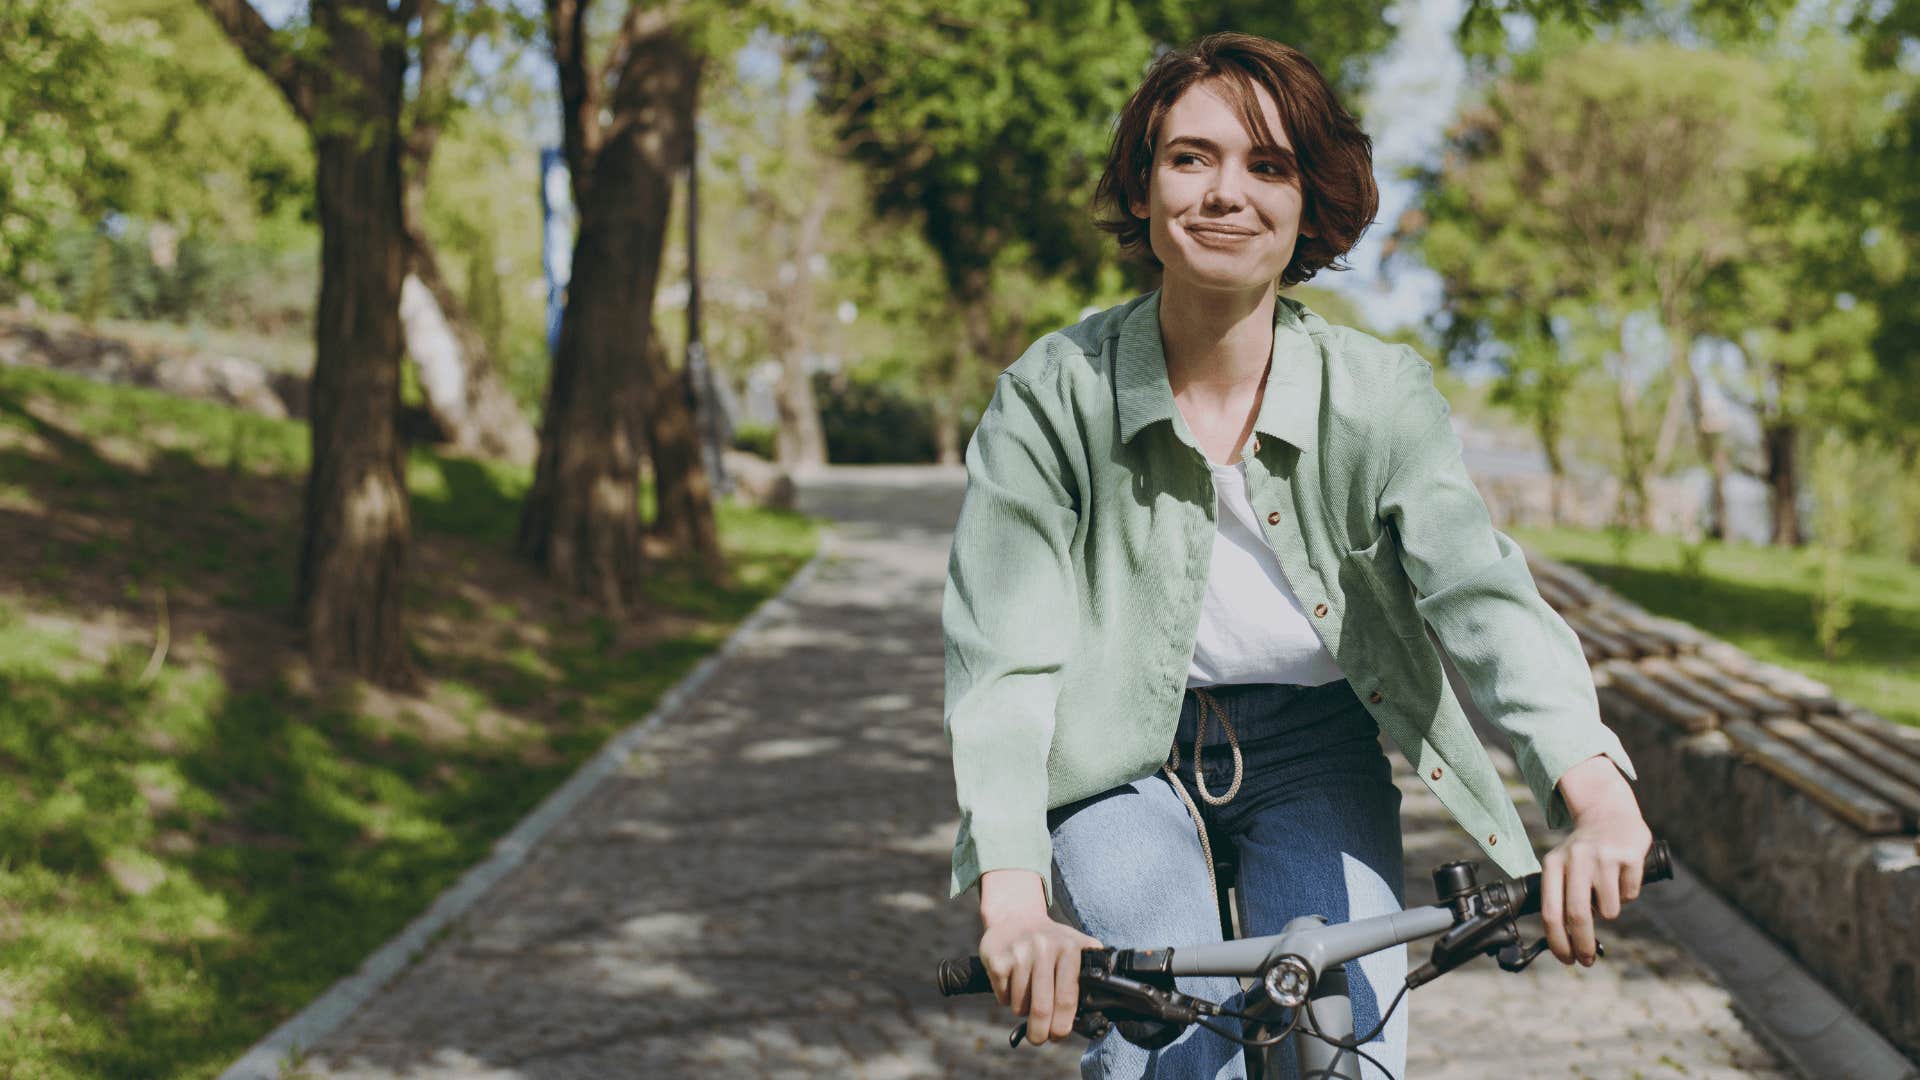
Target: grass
{"type": "Point", "coordinates": [1762, 600]}
{"type": "Point", "coordinates": [195, 844]}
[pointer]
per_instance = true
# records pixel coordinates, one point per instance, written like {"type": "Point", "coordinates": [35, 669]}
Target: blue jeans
{"type": "Point", "coordinates": [1316, 824]}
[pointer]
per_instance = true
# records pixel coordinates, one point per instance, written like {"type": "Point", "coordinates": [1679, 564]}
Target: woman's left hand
{"type": "Point", "coordinates": [1603, 857]}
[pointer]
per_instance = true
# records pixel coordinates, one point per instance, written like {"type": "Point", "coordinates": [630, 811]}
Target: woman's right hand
{"type": "Point", "coordinates": [1032, 960]}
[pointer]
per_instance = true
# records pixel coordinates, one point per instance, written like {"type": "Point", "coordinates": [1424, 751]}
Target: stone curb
{"type": "Point", "coordinates": [271, 1056]}
{"type": "Point", "coordinates": [1801, 1020]}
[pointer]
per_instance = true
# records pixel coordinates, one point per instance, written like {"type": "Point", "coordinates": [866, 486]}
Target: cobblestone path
{"type": "Point", "coordinates": [762, 892]}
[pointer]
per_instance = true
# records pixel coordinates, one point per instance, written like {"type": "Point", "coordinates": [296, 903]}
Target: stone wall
{"type": "Point", "coordinates": [1799, 808]}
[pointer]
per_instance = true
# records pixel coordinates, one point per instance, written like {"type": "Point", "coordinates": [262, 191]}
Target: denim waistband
{"type": "Point", "coordinates": [1260, 709]}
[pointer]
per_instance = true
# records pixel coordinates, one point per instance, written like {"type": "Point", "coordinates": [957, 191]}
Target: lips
{"type": "Point", "coordinates": [1218, 235]}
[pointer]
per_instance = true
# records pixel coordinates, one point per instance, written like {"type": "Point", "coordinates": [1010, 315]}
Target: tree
{"type": "Point", "coordinates": [1507, 287]}
{"type": "Point", "coordinates": [626, 127]}
{"type": "Point", "coordinates": [1623, 165]}
{"type": "Point", "coordinates": [344, 75]}
{"type": "Point", "coordinates": [986, 123]}
{"type": "Point", "coordinates": [1807, 340]}
{"type": "Point", "coordinates": [458, 371]}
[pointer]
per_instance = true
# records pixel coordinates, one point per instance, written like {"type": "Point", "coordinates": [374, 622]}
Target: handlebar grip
{"type": "Point", "coordinates": [1658, 867]}
{"type": "Point", "coordinates": [1659, 863]}
{"type": "Point", "coordinates": [968, 976]}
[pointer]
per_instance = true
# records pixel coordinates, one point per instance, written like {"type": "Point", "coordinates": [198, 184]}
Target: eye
{"type": "Point", "coordinates": [1183, 158]}
{"type": "Point", "coordinates": [1272, 168]}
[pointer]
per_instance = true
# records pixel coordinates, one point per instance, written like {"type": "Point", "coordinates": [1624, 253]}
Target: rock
{"type": "Point", "coordinates": [757, 481]}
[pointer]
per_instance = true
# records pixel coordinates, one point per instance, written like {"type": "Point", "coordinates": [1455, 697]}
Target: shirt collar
{"type": "Point", "coordinates": [1289, 406]}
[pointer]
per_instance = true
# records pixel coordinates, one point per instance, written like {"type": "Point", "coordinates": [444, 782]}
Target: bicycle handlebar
{"type": "Point", "coordinates": [968, 975]}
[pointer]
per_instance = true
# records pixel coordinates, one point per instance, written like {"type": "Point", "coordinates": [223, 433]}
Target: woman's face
{"type": "Point", "coordinates": [1222, 215]}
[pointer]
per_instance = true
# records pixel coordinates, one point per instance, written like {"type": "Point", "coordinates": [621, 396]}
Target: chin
{"type": "Point", "coordinates": [1225, 277]}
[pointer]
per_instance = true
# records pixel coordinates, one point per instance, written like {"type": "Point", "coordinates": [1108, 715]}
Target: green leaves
{"type": "Point", "coordinates": [64, 155]}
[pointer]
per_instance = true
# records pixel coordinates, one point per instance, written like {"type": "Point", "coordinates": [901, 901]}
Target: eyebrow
{"type": "Point", "coordinates": [1211, 147]}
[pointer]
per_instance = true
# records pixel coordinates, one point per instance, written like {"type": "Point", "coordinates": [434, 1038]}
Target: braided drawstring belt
{"type": "Point", "coordinates": [1172, 768]}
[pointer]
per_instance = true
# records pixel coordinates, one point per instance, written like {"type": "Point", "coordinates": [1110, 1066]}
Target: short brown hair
{"type": "Point", "coordinates": [1335, 156]}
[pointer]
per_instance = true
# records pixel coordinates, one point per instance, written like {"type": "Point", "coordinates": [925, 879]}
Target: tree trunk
{"type": "Point", "coordinates": [1547, 426]}
{"type": "Point", "coordinates": [799, 443]}
{"type": "Point", "coordinates": [354, 550]}
{"type": "Point", "coordinates": [1633, 509]}
{"type": "Point", "coordinates": [582, 518]}
{"type": "Point", "coordinates": [946, 431]}
{"type": "Point", "coordinates": [464, 391]}
{"type": "Point", "coordinates": [682, 492]}
{"type": "Point", "coordinates": [1781, 437]}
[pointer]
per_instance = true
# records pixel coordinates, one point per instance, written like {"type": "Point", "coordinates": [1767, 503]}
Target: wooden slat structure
{"type": "Point", "coordinates": [1862, 768]}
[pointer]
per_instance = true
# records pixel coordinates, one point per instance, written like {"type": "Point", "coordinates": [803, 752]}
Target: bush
{"type": "Point", "coordinates": [870, 424]}
{"type": "Point", "coordinates": [755, 439]}
{"type": "Point", "coordinates": [109, 271]}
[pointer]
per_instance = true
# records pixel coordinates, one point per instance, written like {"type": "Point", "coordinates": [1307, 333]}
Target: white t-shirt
{"type": "Point", "coordinates": [1252, 627]}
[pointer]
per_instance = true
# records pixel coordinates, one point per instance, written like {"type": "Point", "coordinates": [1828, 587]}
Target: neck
{"type": "Point", "coordinates": [1216, 342]}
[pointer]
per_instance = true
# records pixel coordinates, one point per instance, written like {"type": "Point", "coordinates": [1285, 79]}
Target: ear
{"type": "Point", "coordinates": [1138, 208]}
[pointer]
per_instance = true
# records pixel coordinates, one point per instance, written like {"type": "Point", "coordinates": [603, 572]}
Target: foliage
{"type": "Point", "coordinates": [1597, 179]}
{"type": "Point", "coordinates": [868, 422]}
{"type": "Point", "coordinates": [198, 847]}
{"type": "Point", "coordinates": [65, 151]}
{"type": "Point", "coordinates": [1806, 338]}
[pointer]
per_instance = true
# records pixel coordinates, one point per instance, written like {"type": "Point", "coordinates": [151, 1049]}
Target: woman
{"type": "Point", "coordinates": [1206, 520]}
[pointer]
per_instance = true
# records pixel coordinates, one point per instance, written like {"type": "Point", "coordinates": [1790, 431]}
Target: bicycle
{"type": "Point", "coordinates": [1299, 973]}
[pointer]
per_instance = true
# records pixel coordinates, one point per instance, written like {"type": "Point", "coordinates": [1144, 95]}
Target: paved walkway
{"type": "Point", "coordinates": [762, 892]}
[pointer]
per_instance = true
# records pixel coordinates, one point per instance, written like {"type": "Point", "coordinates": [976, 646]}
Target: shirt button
{"type": "Point", "coordinates": [1374, 697]}
{"type": "Point", "coordinates": [1493, 839]}
{"type": "Point", "coordinates": [1273, 518]}
{"type": "Point", "coordinates": [1435, 774]}
{"type": "Point", "coordinates": [1319, 611]}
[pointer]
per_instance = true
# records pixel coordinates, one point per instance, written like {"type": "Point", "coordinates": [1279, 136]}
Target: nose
{"type": "Point", "coordinates": [1228, 189]}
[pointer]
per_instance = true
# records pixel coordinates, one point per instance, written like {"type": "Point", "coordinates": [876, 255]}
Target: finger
{"type": "Point", "coordinates": [999, 975]}
{"type": "Point", "coordinates": [1606, 886]}
{"type": "Point", "coordinates": [1632, 875]}
{"type": "Point", "coordinates": [1040, 1016]}
{"type": "Point", "coordinates": [1020, 978]}
{"type": "Point", "coordinates": [1579, 904]}
{"type": "Point", "coordinates": [1066, 992]}
{"type": "Point", "coordinates": [1553, 888]}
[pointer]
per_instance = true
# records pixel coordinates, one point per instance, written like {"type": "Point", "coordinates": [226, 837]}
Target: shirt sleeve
{"type": "Point", "coordinates": [1521, 662]}
{"type": "Point", "coordinates": [1007, 618]}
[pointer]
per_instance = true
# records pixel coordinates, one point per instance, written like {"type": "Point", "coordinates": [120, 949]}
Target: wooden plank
{"type": "Point", "coordinates": [1660, 701]}
{"type": "Point", "coordinates": [1887, 759]}
{"type": "Point", "coordinates": [1557, 597]}
{"type": "Point", "coordinates": [1897, 738]}
{"type": "Point", "coordinates": [1809, 695]}
{"type": "Point", "coordinates": [1612, 622]}
{"type": "Point", "coordinates": [1845, 799]}
{"type": "Point", "coordinates": [1727, 656]}
{"type": "Point", "coordinates": [1904, 797]}
{"type": "Point", "coordinates": [1676, 637]}
{"type": "Point", "coordinates": [1662, 671]}
{"type": "Point", "coordinates": [1586, 592]}
{"type": "Point", "coordinates": [1606, 643]}
{"type": "Point", "coordinates": [1755, 697]}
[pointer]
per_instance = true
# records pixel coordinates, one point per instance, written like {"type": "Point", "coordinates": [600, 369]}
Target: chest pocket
{"type": "Point", "coordinates": [1374, 572]}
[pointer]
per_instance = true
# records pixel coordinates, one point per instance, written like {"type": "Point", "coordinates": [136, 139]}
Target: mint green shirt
{"type": "Point", "coordinates": [1080, 559]}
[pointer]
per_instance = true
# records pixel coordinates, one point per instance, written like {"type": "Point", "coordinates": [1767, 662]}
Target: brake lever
{"type": "Point", "coordinates": [1089, 1023]}
{"type": "Point", "coordinates": [1513, 959]}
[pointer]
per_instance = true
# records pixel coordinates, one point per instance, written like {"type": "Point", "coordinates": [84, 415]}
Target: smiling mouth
{"type": "Point", "coordinates": [1215, 235]}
